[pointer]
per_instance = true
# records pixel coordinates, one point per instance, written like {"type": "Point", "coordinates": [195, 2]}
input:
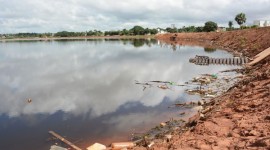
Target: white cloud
{"type": "Point", "coordinates": [81, 15]}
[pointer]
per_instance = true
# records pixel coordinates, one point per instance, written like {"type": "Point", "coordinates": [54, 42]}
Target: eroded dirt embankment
{"type": "Point", "coordinates": [247, 42]}
{"type": "Point", "coordinates": [240, 118]}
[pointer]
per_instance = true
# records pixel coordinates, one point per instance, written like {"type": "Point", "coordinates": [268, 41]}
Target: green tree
{"type": "Point", "coordinates": [146, 31]}
{"type": "Point", "coordinates": [125, 32]}
{"type": "Point", "coordinates": [171, 30]}
{"type": "Point", "coordinates": [137, 30]}
{"type": "Point", "coordinates": [230, 24]}
{"type": "Point", "coordinates": [191, 29]}
{"type": "Point", "coordinates": [240, 18]}
{"type": "Point", "coordinates": [199, 29]}
{"type": "Point", "coordinates": [153, 31]}
{"type": "Point", "coordinates": [210, 26]}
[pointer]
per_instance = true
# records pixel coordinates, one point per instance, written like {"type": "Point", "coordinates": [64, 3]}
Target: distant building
{"type": "Point", "coordinates": [267, 23]}
{"type": "Point", "coordinates": [161, 31]}
{"type": "Point", "coordinates": [261, 23]}
{"type": "Point", "coordinates": [221, 29]}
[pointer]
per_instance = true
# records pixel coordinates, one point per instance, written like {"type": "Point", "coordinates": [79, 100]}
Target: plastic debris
{"type": "Point", "coordinates": [151, 144]}
{"type": "Point", "coordinates": [210, 96]}
{"type": "Point", "coordinates": [214, 76]}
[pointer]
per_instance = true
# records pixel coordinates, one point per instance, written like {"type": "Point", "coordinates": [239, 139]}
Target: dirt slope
{"type": "Point", "coordinates": [249, 42]}
{"type": "Point", "coordinates": [240, 118]}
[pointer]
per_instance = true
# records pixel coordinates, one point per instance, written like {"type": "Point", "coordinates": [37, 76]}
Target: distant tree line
{"type": "Point", "coordinates": [184, 29]}
{"type": "Point", "coordinates": [209, 26]}
{"type": "Point", "coordinates": [26, 35]}
{"type": "Point", "coordinates": [136, 30]}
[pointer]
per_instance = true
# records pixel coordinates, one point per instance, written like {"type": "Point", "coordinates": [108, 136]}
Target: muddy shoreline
{"type": "Point", "coordinates": [240, 117]}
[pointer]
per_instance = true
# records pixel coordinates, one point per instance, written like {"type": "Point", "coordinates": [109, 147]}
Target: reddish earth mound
{"type": "Point", "coordinates": [240, 118]}
{"type": "Point", "coordinates": [248, 42]}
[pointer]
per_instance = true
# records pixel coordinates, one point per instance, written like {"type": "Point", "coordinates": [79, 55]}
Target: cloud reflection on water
{"type": "Point", "coordinates": [85, 77]}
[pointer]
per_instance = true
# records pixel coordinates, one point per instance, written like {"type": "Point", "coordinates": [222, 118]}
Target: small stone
{"type": "Point", "coordinates": [202, 117]}
{"type": "Point", "coordinates": [206, 110]}
{"type": "Point", "coordinates": [229, 134]}
{"type": "Point", "coordinates": [267, 117]}
{"type": "Point", "coordinates": [235, 135]}
{"type": "Point", "coordinates": [182, 113]}
{"type": "Point", "coordinates": [176, 128]}
{"type": "Point", "coordinates": [192, 129]}
{"type": "Point", "coordinates": [168, 137]}
{"type": "Point", "coordinates": [244, 133]}
{"type": "Point", "coordinates": [251, 84]}
{"type": "Point", "coordinates": [162, 124]}
{"type": "Point", "coordinates": [253, 133]}
{"type": "Point", "coordinates": [241, 144]}
{"type": "Point", "coordinates": [241, 108]}
{"type": "Point", "coordinates": [200, 103]}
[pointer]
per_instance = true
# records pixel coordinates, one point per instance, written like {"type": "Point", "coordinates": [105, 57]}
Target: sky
{"type": "Point", "coordinates": [84, 15]}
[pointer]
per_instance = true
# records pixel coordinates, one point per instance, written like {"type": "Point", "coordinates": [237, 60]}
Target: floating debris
{"type": "Point", "coordinates": [64, 140]}
{"type": "Point", "coordinates": [144, 87]}
{"type": "Point", "coordinates": [164, 87]}
{"type": "Point", "coordinates": [29, 100]}
{"type": "Point", "coordinates": [189, 104]}
{"type": "Point", "coordinates": [211, 85]}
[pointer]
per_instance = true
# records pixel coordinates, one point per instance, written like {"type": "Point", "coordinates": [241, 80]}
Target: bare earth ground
{"type": "Point", "coordinates": [240, 118]}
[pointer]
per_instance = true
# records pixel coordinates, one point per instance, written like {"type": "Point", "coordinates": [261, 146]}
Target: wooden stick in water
{"type": "Point", "coordinates": [64, 140]}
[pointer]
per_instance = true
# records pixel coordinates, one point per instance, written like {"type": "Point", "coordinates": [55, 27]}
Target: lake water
{"type": "Point", "coordinates": [85, 89]}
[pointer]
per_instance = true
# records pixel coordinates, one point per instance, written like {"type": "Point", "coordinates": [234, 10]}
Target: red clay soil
{"type": "Point", "coordinates": [240, 118]}
{"type": "Point", "coordinates": [246, 42]}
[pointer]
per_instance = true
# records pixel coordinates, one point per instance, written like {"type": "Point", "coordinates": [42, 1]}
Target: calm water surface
{"type": "Point", "coordinates": [85, 90]}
